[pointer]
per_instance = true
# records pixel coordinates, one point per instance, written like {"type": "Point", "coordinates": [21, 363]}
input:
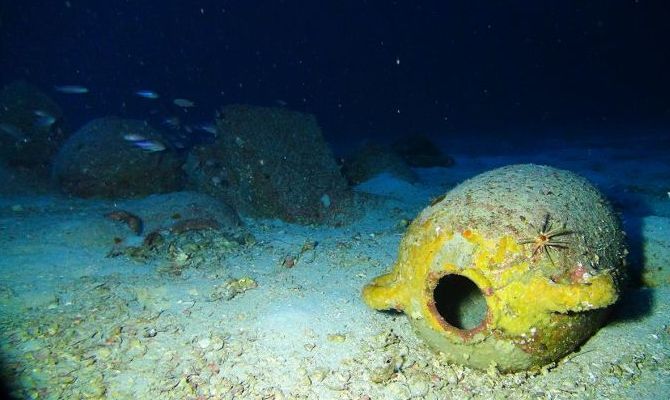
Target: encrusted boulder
{"type": "Point", "coordinates": [373, 159]}
{"type": "Point", "coordinates": [419, 151]}
{"type": "Point", "coordinates": [272, 163]}
{"type": "Point", "coordinates": [31, 128]}
{"type": "Point", "coordinates": [99, 161]}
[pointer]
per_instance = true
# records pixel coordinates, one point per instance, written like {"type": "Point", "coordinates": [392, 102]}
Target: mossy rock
{"type": "Point", "coordinates": [23, 142]}
{"type": "Point", "coordinates": [97, 161]}
{"type": "Point", "coordinates": [373, 159]}
{"type": "Point", "coordinates": [273, 163]}
{"type": "Point", "coordinates": [419, 151]}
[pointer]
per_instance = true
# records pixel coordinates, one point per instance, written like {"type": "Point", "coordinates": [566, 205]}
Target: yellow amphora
{"type": "Point", "coordinates": [513, 268]}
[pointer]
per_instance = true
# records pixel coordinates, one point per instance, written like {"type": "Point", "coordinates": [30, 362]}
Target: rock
{"type": "Point", "coordinates": [419, 151]}
{"type": "Point", "coordinates": [271, 163]}
{"type": "Point", "coordinates": [24, 141]}
{"type": "Point", "coordinates": [98, 161]}
{"type": "Point", "coordinates": [373, 159]}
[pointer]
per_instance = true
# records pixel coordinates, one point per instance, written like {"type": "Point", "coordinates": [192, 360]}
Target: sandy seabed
{"type": "Point", "coordinates": [210, 318]}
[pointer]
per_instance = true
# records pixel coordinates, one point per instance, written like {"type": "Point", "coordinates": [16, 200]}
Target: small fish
{"type": "Point", "coordinates": [207, 127]}
{"type": "Point", "coordinates": [71, 89]}
{"type": "Point", "coordinates": [12, 131]}
{"type": "Point", "coordinates": [150, 146]}
{"type": "Point", "coordinates": [147, 94]}
{"type": "Point", "coordinates": [134, 137]}
{"type": "Point", "coordinates": [45, 122]}
{"type": "Point", "coordinates": [186, 103]}
{"type": "Point", "coordinates": [281, 103]}
{"type": "Point", "coordinates": [172, 122]}
{"type": "Point", "coordinates": [44, 119]}
{"type": "Point", "coordinates": [41, 113]}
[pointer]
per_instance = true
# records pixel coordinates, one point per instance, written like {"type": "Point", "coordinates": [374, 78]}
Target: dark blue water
{"type": "Point", "coordinates": [365, 68]}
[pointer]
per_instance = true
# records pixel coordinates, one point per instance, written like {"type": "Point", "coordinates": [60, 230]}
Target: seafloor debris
{"type": "Point", "coordinates": [195, 224]}
{"type": "Point", "coordinates": [290, 260]}
{"type": "Point", "coordinates": [133, 221]}
{"type": "Point", "coordinates": [153, 240]}
{"type": "Point", "coordinates": [232, 288]}
{"type": "Point", "coordinates": [187, 243]}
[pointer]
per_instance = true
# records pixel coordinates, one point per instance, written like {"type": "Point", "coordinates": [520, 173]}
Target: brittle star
{"type": "Point", "coordinates": [545, 239]}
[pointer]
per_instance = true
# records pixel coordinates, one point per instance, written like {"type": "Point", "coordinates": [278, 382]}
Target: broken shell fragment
{"type": "Point", "coordinates": [133, 221]}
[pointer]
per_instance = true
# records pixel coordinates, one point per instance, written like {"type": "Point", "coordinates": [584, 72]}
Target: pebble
{"type": "Point", "coordinates": [303, 377]}
{"type": "Point", "coordinates": [319, 375]}
{"type": "Point", "coordinates": [103, 353]}
{"type": "Point", "coordinates": [418, 388]}
{"type": "Point", "coordinates": [397, 390]}
{"type": "Point", "coordinates": [338, 380]}
{"type": "Point", "coordinates": [337, 338]}
{"type": "Point", "coordinates": [150, 332]}
{"type": "Point", "coordinates": [204, 343]}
